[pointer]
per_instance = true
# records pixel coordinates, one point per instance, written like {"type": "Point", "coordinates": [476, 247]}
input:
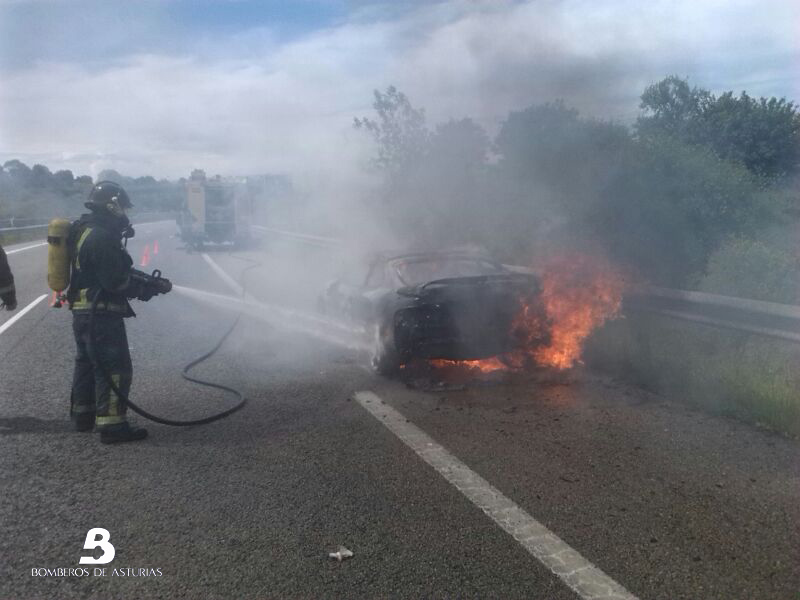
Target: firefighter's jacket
{"type": "Point", "coordinates": [6, 278]}
{"type": "Point", "coordinates": [100, 264]}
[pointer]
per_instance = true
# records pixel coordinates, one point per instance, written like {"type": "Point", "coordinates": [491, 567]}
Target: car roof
{"type": "Point", "coordinates": [420, 256]}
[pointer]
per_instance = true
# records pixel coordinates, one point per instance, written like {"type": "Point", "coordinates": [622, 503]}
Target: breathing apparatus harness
{"type": "Point", "coordinates": [59, 238]}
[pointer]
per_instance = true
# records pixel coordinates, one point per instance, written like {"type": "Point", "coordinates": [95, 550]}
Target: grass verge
{"type": "Point", "coordinates": [749, 377]}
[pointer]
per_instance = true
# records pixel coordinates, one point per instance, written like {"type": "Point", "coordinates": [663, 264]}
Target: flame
{"type": "Point", "coordinates": [483, 365]}
{"type": "Point", "coordinates": [579, 293]}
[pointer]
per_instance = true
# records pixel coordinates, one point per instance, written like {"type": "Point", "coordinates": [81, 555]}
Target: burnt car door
{"type": "Point", "coordinates": [363, 305]}
{"type": "Point", "coordinates": [355, 301]}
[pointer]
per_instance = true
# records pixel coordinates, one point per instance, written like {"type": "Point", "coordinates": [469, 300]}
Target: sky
{"type": "Point", "coordinates": [237, 87]}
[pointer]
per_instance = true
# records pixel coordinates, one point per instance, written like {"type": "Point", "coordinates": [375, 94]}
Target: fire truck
{"type": "Point", "coordinates": [215, 211]}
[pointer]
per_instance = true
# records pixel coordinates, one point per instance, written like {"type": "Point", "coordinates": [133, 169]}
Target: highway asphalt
{"type": "Point", "coordinates": [664, 501]}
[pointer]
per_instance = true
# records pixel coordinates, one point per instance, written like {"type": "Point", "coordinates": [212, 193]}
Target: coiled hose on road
{"type": "Point", "coordinates": [185, 373]}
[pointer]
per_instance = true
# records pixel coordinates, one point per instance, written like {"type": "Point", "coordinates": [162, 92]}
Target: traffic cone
{"type": "Point", "coordinates": [145, 256]}
{"type": "Point", "coordinates": [155, 247]}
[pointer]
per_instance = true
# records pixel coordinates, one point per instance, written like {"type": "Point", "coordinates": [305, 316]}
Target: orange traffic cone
{"type": "Point", "coordinates": [155, 247]}
{"type": "Point", "coordinates": [145, 256]}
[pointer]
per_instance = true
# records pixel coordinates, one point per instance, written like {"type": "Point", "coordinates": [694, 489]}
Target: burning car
{"type": "Point", "coordinates": [440, 305]}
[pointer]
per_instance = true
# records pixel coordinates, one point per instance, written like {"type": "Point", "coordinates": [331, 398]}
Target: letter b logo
{"type": "Point", "coordinates": [98, 538]}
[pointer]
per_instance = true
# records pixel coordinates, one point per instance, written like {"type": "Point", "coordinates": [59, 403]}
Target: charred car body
{"type": "Point", "coordinates": [441, 305]}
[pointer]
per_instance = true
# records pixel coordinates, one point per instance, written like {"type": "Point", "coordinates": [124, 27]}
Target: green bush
{"type": "Point", "coordinates": [753, 269]}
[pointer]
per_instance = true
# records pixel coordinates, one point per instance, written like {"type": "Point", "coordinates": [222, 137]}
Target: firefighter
{"type": "Point", "coordinates": [8, 293]}
{"type": "Point", "coordinates": [101, 265]}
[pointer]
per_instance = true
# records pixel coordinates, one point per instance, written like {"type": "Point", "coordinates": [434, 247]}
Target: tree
{"type": "Point", "coordinates": [462, 144]}
{"type": "Point", "coordinates": [64, 176]}
{"type": "Point", "coordinates": [762, 134]}
{"type": "Point", "coordinates": [565, 158]}
{"type": "Point", "coordinates": [672, 107]}
{"type": "Point", "coordinates": [18, 171]}
{"type": "Point", "coordinates": [38, 193]}
{"type": "Point", "coordinates": [672, 204]}
{"type": "Point", "coordinates": [399, 131]}
{"type": "Point", "coordinates": [444, 196]}
{"type": "Point", "coordinates": [111, 175]}
{"type": "Point", "coordinates": [654, 202]}
{"type": "Point", "coordinates": [757, 269]}
{"type": "Point", "coordinates": [41, 176]}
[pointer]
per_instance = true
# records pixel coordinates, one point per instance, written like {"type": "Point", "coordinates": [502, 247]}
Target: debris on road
{"type": "Point", "coordinates": [340, 554]}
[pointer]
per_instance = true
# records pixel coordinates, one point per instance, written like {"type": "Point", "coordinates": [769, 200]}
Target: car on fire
{"type": "Point", "coordinates": [452, 305]}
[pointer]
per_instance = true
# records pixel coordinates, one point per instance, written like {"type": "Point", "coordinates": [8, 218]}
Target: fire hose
{"type": "Point", "coordinates": [160, 285]}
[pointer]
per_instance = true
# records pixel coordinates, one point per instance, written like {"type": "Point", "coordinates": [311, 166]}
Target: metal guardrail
{"type": "Point", "coordinates": [313, 240]}
{"type": "Point", "coordinates": [23, 228]}
{"type": "Point", "coordinates": [770, 319]}
{"type": "Point", "coordinates": [42, 224]}
{"type": "Point", "coordinates": [758, 306]}
{"type": "Point", "coordinates": [20, 222]}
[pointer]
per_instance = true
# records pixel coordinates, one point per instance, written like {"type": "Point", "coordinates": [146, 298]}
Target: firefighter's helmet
{"type": "Point", "coordinates": [109, 196]}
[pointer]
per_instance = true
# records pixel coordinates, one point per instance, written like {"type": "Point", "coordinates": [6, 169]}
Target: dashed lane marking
{"type": "Point", "coordinates": [579, 574]}
{"type": "Point", "coordinates": [21, 314]}
{"type": "Point", "coordinates": [15, 250]}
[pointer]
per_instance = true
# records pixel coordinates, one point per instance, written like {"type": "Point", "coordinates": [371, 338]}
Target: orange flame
{"type": "Point", "coordinates": [483, 365]}
{"type": "Point", "coordinates": [580, 293]}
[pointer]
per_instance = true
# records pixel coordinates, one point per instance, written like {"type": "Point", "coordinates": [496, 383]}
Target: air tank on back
{"type": "Point", "coordinates": [58, 262]}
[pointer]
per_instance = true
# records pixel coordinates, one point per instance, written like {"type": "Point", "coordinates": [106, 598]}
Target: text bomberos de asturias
{"type": "Point", "coordinates": [97, 572]}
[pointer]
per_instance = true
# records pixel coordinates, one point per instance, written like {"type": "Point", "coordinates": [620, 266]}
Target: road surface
{"type": "Point", "coordinates": [481, 492]}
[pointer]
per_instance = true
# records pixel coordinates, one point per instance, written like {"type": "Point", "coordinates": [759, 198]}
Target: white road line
{"type": "Point", "coordinates": [21, 313]}
{"type": "Point", "coordinates": [579, 574]}
{"type": "Point", "coordinates": [26, 248]}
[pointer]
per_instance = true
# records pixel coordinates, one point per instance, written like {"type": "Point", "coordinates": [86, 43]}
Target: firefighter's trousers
{"type": "Point", "coordinates": [90, 390]}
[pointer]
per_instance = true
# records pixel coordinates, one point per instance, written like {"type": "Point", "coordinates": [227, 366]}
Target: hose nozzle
{"type": "Point", "coordinates": [153, 281]}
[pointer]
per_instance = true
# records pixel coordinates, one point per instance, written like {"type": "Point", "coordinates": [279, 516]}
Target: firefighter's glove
{"type": "Point", "coordinates": [9, 300]}
{"type": "Point", "coordinates": [146, 293]}
{"type": "Point", "coordinates": [139, 290]}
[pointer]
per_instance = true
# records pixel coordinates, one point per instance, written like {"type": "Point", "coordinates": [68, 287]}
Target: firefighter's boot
{"type": "Point", "coordinates": [122, 433]}
{"type": "Point", "coordinates": [82, 410]}
{"type": "Point", "coordinates": [83, 421]}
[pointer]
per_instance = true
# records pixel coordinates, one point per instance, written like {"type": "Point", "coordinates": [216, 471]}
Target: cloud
{"type": "Point", "coordinates": [246, 102]}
